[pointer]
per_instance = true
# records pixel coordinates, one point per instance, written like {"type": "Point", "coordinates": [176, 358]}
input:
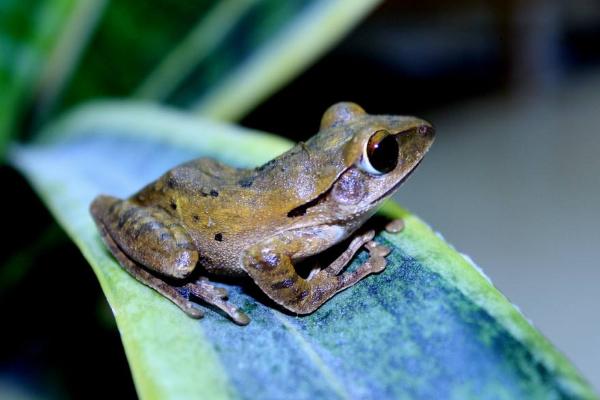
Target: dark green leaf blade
{"type": "Point", "coordinates": [273, 44]}
{"type": "Point", "coordinates": [39, 44]}
{"type": "Point", "coordinates": [220, 58]}
{"type": "Point", "coordinates": [430, 326]}
{"type": "Point", "coordinates": [132, 38]}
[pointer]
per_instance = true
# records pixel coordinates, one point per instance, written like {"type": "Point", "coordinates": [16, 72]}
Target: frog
{"type": "Point", "coordinates": [205, 219]}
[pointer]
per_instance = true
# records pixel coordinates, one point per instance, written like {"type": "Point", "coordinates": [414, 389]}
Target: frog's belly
{"type": "Point", "coordinates": [222, 254]}
{"type": "Point", "coordinates": [218, 269]}
{"type": "Point", "coordinates": [221, 258]}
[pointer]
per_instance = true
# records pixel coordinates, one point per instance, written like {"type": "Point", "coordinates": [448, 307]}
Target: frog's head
{"type": "Point", "coordinates": [369, 158]}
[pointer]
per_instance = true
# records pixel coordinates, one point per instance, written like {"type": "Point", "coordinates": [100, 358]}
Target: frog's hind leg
{"type": "Point", "coordinates": [127, 229]}
{"type": "Point", "coordinates": [148, 235]}
{"type": "Point", "coordinates": [275, 274]}
{"type": "Point", "coordinates": [150, 280]}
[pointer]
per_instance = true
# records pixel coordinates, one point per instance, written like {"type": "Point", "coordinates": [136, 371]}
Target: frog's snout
{"type": "Point", "coordinates": [426, 131]}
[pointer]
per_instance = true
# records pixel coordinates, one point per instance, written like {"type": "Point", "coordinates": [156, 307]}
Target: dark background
{"type": "Point", "coordinates": [513, 180]}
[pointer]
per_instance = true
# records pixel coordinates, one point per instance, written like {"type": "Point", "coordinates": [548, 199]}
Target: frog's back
{"type": "Point", "coordinates": [216, 206]}
{"type": "Point", "coordinates": [203, 178]}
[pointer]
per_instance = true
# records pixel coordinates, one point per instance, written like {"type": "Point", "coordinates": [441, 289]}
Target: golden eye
{"type": "Point", "coordinates": [381, 153]}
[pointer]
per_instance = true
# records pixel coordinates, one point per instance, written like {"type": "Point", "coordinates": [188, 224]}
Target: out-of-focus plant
{"type": "Point", "coordinates": [217, 58]}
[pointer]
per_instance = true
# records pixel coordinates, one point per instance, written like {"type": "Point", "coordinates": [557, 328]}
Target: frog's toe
{"type": "Point", "coordinates": [377, 250]}
{"type": "Point", "coordinates": [240, 318]}
{"type": "Point", "coordinates": [217, 296]}
{"type": "Point", "coordinates": [193, 312]}
{"type": "Point", "coordinates": [203, 285]}
{"type": "Point", "coordinates": [376, 264]}
{"type": "Point", "coordinates": [361, 240]}
{"type": "Point", "coordinates": [221, 292]}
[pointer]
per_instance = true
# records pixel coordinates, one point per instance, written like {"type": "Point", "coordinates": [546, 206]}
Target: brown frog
{"type": "Point", "coordinates": [259, 222]}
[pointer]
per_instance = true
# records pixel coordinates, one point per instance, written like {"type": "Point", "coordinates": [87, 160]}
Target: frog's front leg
{"type": "Point", "coordinates": [270, 266]}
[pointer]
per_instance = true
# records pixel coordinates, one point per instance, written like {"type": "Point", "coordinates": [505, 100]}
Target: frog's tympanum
{"type": "Point", "coordinates": [213, 219]}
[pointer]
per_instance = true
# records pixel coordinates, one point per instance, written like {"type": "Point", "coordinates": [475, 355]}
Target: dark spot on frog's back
{"type": "Point", "coordinates": [219, 237]}
{"type": "Point", "coordinates": [214, 193]}
{"type": "Point", "coordinates": [173, 205]}
{"type": "Point", "coordinates": [171, 183]}
{"type": "Point", "coordinates": [246, 182]}
{"type": "Point", "coordinates": [195, 218]}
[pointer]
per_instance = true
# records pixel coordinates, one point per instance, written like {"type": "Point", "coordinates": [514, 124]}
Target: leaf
{"type": "Point", "coordinates": [39, 43]}
{"type": "Point", "coordinates": [203, 39]}
{"type": "Point", "coordinates": [220, 58]}
{"type": "Point", "coordinates": [272, 54]}
{"type": "Point", "coordinates": [430, 326]}
{"type": "Point", "coordinates": [131, 39]}
{"type": "Point", "coordinates": [61, 63]}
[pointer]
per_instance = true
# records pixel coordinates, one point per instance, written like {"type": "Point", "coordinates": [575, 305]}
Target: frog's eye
{"type": "Point", "coordinates": [380, 155]}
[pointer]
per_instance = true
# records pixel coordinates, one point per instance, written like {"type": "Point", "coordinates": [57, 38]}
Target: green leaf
{"type": "Point", "coordinates": [39, 44]}
{"type": "Point", "coordinates": [132, 38]}
{"type": "Point", "coordinates": [220, 58]}
{"type": "Point", "coordinates": [430, 326]}
{"type": "Point", "coordinates": [204, 38]}
{"type": "Point", "coordinates": [271, 54]}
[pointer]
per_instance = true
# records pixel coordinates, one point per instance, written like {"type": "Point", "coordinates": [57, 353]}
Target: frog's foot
{"type": "Point", "coordinates": [377, 251]}
{"type": "Point", "coordinates": [275, 274]}
{"type": "Point", "coordinates": [217, 296]}
{"type": "Point", "coordinates": [375, 264]}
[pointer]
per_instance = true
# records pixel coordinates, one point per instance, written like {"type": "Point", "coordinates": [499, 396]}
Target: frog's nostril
{"type": "Point", "coordinates": [427, 130]}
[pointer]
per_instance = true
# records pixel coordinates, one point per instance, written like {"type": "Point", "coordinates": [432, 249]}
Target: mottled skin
{"type": "Point", "coordinates": [259, 222]}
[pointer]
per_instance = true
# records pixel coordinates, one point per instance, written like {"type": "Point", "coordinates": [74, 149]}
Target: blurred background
{"type": "Point", "coordinates": [513, 181]}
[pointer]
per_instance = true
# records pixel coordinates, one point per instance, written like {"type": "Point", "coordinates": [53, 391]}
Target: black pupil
{"type": "Point", "coordinates": [383, 152]}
